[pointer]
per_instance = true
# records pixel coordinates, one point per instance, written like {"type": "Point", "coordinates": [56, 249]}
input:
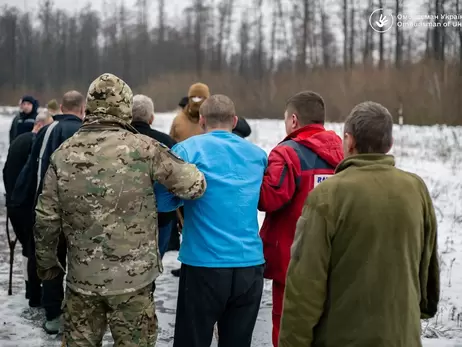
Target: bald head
{"type": "Point", "coordinates": [73, 103]}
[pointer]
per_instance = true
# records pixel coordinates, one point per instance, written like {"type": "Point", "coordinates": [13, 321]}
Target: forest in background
{"type": "Point", "coordinates": [259, 54]}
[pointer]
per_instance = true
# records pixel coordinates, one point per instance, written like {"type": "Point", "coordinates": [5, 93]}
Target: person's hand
{"type": "Point", "coordinates": [49, 274]}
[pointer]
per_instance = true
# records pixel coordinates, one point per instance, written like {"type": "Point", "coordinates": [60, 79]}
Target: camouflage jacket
{"type": "Point", "coordinates": [98, 190]}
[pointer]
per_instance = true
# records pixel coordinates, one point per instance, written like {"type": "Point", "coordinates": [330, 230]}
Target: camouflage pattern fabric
{"type": "Point", "coordinates": [131, 318]}
{"type": "Point", "coordinates": [98, 191]}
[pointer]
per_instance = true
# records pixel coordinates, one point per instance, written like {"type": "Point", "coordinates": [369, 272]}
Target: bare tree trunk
{"type": "Point", "coordinates": [281, 19]}
{"type": "Point", "coordinates": [369, 41]}
{"type": "Point", "coordinates": [436, 34]}
{"type": "Point", "coordinates": [161, 18]}
{"type": "Point", "coordinates": [409, 49]}
{"type": "Point", "coordinates": [273, 36]}
{"type": "Point", "coordinates": [381, 44]}
{"type": "Point", "coordinates": [198, 34]}
{"type": "Point", "coordinates": [259, 67]}
{"type": "Point", "coordinates": [306, 21]}
{"type": "Point", "coordinates": [442, 32]}
{"type": "Point", "coordinates": [458, 9]}
{"type": "Point", "coordinates": [13, 51]}
{"type": "Point", "coordinates": [244, 36]}
{"type": "Point", "coordinates": [345, 33]}
{"type": "Point", "coordinates": [229, 27]}
{"type": "Point", "coordinates": [399, 36]}
{"type": "Point", "coordinates": [324, 36]}
{"type": "Point", "coordinates": [222, 20]}
{"type": "Point", "coordinates": [352, 34]}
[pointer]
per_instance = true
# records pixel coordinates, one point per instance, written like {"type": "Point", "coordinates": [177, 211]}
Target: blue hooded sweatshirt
{"type": "Point", "coordinates": [221, 228]}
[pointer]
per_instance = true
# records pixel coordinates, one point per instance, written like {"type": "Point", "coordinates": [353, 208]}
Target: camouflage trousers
{"type": "Point", "coordinates": [131, 318]}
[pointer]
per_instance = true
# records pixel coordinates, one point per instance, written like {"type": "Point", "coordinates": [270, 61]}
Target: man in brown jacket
{"type": "Point", "coordinates": [364, 267]}
{"type": "Point", "coordinates": [186, 123]}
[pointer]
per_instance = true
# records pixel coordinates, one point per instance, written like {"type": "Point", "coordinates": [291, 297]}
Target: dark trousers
{"type": "Point", "coordinates": [229, 296]}
{"type": "Point", "coordinates": [35, 283]}
{"type": "Point", "coordinates": [53, 290]}
{"type": "Point", "coordinates": [164, 237]}
{"type": "Point", "coordinates": [22, 227]}
{"type": "Point", "coordinates": [22, 223]}
{"type": "Point", "coordinates": [174, 242]}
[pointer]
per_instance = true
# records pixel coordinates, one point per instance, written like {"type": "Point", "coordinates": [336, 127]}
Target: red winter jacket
{"type": "Point", "coordinates": [305, 158]}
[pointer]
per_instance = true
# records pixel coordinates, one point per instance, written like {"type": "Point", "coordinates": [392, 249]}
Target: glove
{"type": "Point", "coordinates": [50, 273]}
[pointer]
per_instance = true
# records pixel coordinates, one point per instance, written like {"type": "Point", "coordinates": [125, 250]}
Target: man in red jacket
{"type": "Point", "coordinates": [307, 156]}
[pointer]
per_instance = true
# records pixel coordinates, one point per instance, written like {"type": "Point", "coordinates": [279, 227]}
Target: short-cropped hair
{"type": "Point", "coordinates": [218, 109]}
{"type": "Point", "coordinates": [143, 108]}
{"type": "Point", "coordinates": [371, 125]}
{"type": "Point", "coordinates": [72, 101]}
{"type": "Point", "coordinates": [308, 106]}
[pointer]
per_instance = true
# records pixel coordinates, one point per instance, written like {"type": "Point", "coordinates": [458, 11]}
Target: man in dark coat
{"type": "Point", "coordinates": [18, 154]}
{"type": "Point", "coordinates": [29, 186]}
{"type": "Point", "coordinates": [24, 121]}
{"type": "Point", "coordinates": [242, 128]}
{"type": "Point", "coordinates": [143, 116]}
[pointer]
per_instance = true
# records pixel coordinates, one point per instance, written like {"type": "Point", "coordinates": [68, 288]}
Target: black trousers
{"type": "Point", "coordinates": [174, 242]}
{"type": "Point", "coordinates": [22, 227]}
{"type": "Point", "coordinates": [35, 283]}
{"type": "Point", "coordinates": [52, 290]}
{"type": "Point", "coordinates": [229, 296]}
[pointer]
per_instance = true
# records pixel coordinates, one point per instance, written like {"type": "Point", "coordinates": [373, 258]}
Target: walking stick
{"type": "Point", "coordinates": [12, 245]}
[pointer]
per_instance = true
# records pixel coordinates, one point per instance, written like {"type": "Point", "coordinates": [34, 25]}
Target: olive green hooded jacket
{"type": "Point", "coordinates": [364, 267]}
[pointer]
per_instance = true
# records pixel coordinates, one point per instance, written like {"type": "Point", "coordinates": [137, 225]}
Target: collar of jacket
{"type": "Point", "coordinates": [107, 121]}
{"type": "Point", "coordinates": [361, 160]}
{"type": "Point", "coordinates": [305, 132]}
{"type": "Point", "coordinates": [66, 116]}
{"type": "Point", "coordinates": [143, 125]}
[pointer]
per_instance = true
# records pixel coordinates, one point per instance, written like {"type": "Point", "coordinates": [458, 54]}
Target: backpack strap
{"type": "Point", "coordinates": [42, 150]}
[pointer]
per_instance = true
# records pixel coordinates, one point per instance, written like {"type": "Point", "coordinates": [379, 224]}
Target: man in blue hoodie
{"type": "Point", "coordinates": [28, 187]}
{"type": "Point", "coordinates": [221, 277]}
{"type": "Point", "coordinates": [24, 121]}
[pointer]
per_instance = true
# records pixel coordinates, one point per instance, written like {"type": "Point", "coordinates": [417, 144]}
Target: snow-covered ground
{"type": "Point", "coordinates": [435, 153]}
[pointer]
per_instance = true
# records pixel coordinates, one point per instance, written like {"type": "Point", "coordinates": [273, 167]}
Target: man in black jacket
{"type": "Point", "coordinates": [143, 117]}
{"type": "Point", "coordinates": [24, 121]}
{"type": "Point", "coordinates": [16, 159]}
{"type": "Point", "coordinates": [29, 186]}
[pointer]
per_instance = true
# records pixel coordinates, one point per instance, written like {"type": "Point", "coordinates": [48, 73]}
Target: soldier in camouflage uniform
{"type": "Point", "coordinates": [98, 191]}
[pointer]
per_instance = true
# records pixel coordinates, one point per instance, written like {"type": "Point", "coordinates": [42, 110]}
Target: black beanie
{"type": "Point", "coordinates": [30, 99]}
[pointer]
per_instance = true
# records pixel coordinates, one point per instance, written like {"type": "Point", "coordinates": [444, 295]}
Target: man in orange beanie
{"type": "Point", "coordinates": [186, 123]}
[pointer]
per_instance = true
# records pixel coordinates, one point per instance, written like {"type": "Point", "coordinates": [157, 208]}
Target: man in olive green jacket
{"type": "Point", "coordinates": [364, 267]}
